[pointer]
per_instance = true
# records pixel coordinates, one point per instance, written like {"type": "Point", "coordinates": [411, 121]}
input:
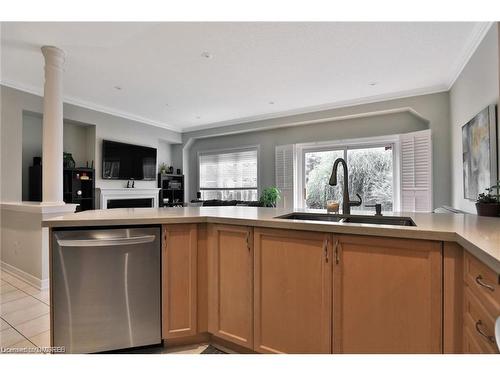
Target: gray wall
{"type": "Point", "coordinates": [79, 140]}
{"type": "Point", "coordinates": [475, 88]}
{"type": "Point", "coordinates": [434, 108]}
{"type": "Point", "coordinates": [32, 146]}
{"type": "Point", "coordinates": [15, 102]}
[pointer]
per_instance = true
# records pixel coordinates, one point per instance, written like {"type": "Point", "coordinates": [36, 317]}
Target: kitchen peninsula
{"type": "Point", "coordinates": [252, 282]}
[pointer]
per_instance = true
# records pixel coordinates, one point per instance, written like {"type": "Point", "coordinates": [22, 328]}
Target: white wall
{"type": "Point", "coordinates": [475, 88]}
{"type": "Point", "coordinates": [79, 141]}
{"type": "Point", "coordinates": [21, 236]}
{"type": "Point", "coordinates": [164, 153]}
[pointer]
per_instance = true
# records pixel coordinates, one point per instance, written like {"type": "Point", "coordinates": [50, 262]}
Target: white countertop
{"type": "Point", "coordinates": [478, 235]}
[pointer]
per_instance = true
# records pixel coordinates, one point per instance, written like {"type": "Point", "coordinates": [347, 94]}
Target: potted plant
{"type": "Point", "coordinates": [270, 196]}
{"type": "Point", "coordinates": [488, 203]}
{"type": "Point", "coordinates": [163, 168]}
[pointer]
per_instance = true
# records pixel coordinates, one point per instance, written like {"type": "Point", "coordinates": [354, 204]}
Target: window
{"type": "Point", "coordinates": [371, 175]}
{"type": "Point", "coordinates": [229, 175]}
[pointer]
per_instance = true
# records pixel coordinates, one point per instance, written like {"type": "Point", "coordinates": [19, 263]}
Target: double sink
{"type": "Point", "coordinates": [355, 219]}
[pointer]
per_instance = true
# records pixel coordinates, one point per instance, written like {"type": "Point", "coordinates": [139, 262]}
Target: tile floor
{"type": "Point", "coordinates": [24, 319]}
{"type": "Point", "coordinates": [24, 314]}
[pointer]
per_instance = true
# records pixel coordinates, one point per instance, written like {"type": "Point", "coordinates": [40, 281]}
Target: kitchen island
{"type": "Point", "coordinates": [244, 278]}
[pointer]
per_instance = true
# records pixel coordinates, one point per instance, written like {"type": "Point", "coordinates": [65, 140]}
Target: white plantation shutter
{"type": "Point", "coordinates": [416, 171]}
{"type": "Point", "coordinates": [284, 168]}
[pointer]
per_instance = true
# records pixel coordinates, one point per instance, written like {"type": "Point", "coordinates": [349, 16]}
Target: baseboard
{"type": "Point", "coordinates": [40, 284]}
{"type": "Point", "coordinates": [200, 338]}
{"type": "Point", "coordinates": [207, 338]}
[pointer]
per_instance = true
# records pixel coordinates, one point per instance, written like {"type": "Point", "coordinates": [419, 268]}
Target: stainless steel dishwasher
{"type": "Point", "coordinates": [106, 288]}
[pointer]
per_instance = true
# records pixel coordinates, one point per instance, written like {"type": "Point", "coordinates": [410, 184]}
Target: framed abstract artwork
{"type": "Point", "coordinates": [479, 151]}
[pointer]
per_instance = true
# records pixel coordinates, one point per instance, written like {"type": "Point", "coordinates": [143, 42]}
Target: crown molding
{"type": "Point", "coordinates": [224, 130]}
{"type": "Point", "coordinates": [478, 34]}
{"type": "Point", "coordinates": [275, 115]}
{"type": "Point", "coordinates": [323, 107]}
{"type": "Point", "coordinates": [88, 105]}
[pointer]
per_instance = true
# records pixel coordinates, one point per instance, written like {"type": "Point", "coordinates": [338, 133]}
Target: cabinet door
{"type": "Point", "coordinates": [387, 295]}
{"type": "Point", "coordinates": [293, 291]}
{"type": "Point", "coordinates": [231, 283]}
{"type": "Point", "coordinates": [179, 280]}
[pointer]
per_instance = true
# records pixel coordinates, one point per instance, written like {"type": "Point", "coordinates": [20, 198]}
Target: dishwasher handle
{"type": "Point", "coordinates": [107, 241]}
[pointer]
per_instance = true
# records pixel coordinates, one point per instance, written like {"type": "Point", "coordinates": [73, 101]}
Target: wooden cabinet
{"type": "Point", "coordinates": [179, 289]}
{"type": "Point", "coordinates": [293, 291]}
{"type": "Point", "coordinates": [289, 291]}
{"type": "Point", "coordinates": [230, 276]}
{"type": "Point", "coordinates": [387, 295]}
{"type": "Point", "coordinates": [481, 306]}
{"type": "Point", "coordinates": [453, 290]}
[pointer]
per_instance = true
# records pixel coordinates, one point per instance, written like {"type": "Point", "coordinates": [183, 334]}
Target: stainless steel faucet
{"type": "Point", "coordinates": [346, 202]}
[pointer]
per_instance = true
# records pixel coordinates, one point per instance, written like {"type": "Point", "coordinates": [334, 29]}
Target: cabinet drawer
{"type": "Point", "coordinates": [472, 346]}
{"type": "Point", "coordinates": [484, 283]}
{"type": "Point", "coordinates": [478, 324]}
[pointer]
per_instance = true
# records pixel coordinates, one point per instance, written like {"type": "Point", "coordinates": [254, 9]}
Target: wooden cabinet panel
{"type": "Point", "coordinates": [453, 303]}
{"type": "Point", "coordinates": [484, 283]}
{"type": "Point", "coordinates": [202, 283]}
{"type": "Point", "coordinates": [387, 295]}
{"type": "Point", "coordinates": [479, 324]}
{"type": "Point", "coordinates": [231, 283]}
{"type": "Point", "coordinates": [481, 306]}
{"type": "Point", "coordinates": [293, 291]}
{"type": "Point", "coordinates": [471, 346]}
{"type": "Point", "coordinates": [179, 289]}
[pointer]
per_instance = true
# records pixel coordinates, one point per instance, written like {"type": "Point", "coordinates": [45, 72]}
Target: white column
{"type": "Point", "coordinates": [52, 145]}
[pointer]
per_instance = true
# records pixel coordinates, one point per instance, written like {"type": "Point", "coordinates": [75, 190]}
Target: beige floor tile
{"type": "Point", "coordinates": [29, 313]}
{"type": "Point", "coordinates": [4, 325]}
{"type": "Point", "coordinates": [42, 296]}
{"type": "Point", "coordinates": [34, 327]}
{"type": "Point", "coordinates": [42, 339]}
{"type": "Point", "coordinates": [6, 288]}
{"type": "Point", "coordinates": [12, 296]}
{"type": "Point", "coordinates": [18, 304]}
{"type": "Point", "coordinates": [29, 289]}
{"type": "Point", "coordinates": [18, 283]}
{"type": "Point", "coordinates": [7, 276]}
{"type": "Point", "coordinates": [9, 337]}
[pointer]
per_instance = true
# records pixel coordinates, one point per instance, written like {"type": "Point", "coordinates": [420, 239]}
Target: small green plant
{"type": "Point", "coordinates": [163, 168]}
{"type": "Point", "coordinates": [490, 196]}
{"type": "Point", "coordinates": [270, 196]}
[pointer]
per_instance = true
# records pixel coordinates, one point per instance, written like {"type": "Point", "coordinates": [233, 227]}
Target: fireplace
{"type": "Point", "coordinates": [130, 203]}
{"type": "Point", "coordinates": [125, 197]}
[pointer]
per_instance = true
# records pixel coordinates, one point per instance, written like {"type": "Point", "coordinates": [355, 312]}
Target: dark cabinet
{"type": "Point", "coordinates": [171, 190]}
{"type": "Point", "coordinates": [78, 186]}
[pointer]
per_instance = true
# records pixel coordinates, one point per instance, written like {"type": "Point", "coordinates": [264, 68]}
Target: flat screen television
{"type": "Point", "coordinates": [122, 161]}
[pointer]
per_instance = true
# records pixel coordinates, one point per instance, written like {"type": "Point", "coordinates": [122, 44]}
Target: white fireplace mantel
{"type": "Point", "coordinates": [127, 193]}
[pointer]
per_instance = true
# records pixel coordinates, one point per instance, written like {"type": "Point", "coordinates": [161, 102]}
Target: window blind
{"type": "Point", "coordinates": [416, 171]}
{"type": "Point", "coordinates": [228, 170]}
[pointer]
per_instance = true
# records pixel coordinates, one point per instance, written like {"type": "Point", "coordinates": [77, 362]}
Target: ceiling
{"type": "Point", "coordinates": [187, 76]}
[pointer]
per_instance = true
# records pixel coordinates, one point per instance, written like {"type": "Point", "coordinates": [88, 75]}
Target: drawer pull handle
{"type": "Point", "coordinates": [479, 280]}
{"type": "Point", "coordinates": [487, 337]}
